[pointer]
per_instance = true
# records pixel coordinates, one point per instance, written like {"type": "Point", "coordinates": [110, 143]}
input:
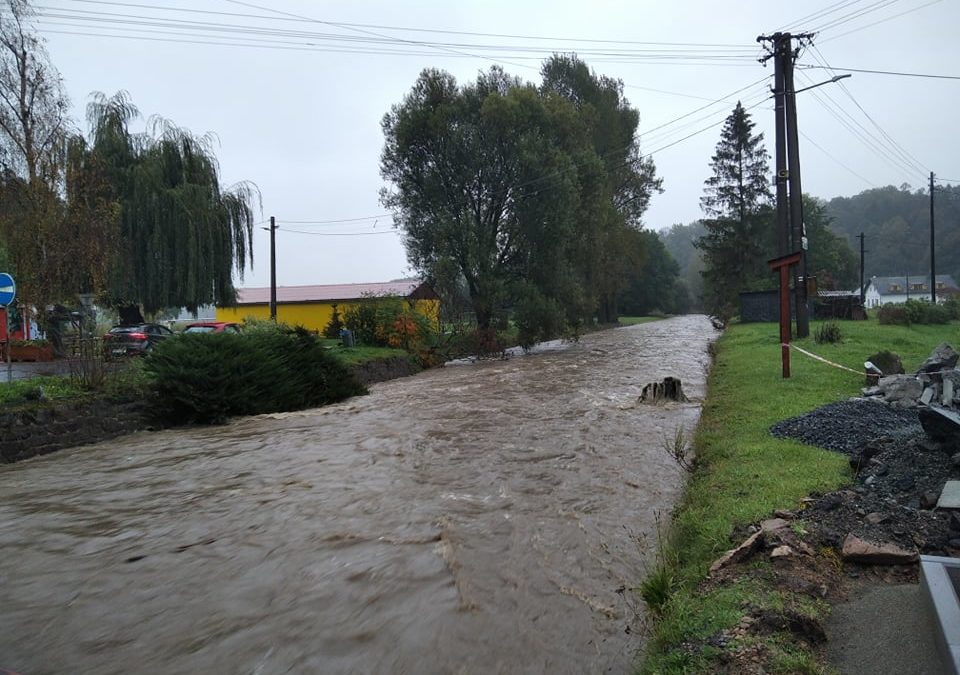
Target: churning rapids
{"type": "Point", "coordinates": [472, 519]}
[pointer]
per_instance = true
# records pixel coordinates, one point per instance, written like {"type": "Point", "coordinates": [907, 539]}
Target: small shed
{"type": "Point", "coordinates": [312, 306]}
{"type": "Point", "coordinates": [758, 306]}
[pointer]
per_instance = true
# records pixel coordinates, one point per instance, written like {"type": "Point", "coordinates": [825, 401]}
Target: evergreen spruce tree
{"type": "Point", "coordinates": [739, 225]}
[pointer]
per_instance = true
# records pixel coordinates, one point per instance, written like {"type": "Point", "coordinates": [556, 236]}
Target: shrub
{"type": "Point", "coordinates": [390, 322]}
{"type": "Point", "coordinates": [335, 325]}
{"type": "Point", "coordinates": [952, 305]}
{"type": "Point", "coordinates": [894, 315]}
{"type": "Point", "coordinates": [207, 377]}
{"type": "Point", "coordinates": [828, 333]}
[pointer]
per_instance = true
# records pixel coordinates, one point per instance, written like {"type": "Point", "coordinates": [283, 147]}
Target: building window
{"type": "Point", "coordinates": [918, 287]}
{"type": "Point", "coordinates": [895, 288]}
{"type": "Point", "coordinates": [940, 285]}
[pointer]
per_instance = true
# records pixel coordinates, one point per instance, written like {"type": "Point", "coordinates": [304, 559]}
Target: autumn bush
{"type": "Point", "coordinates": [391, 322]}
{"type": "Point", "coordinates": [210, 377]}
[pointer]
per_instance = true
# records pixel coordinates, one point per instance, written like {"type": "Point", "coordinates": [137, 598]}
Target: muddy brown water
{"type": "Point", "coordinates": [478, 518]}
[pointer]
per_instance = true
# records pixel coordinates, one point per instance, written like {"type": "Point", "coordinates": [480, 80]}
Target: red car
{"type": "Point", "coordinates": [212, 327]}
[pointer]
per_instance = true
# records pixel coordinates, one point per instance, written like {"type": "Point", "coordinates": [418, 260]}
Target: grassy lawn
{"type": "Point", "coordinates": [55, 388]}
{"type": "Point", "coordinates": [353, 355]}
{"type": "Point", "coordinates": [632, 320]}
{"type": "Point", "coordinates": [743, 473]}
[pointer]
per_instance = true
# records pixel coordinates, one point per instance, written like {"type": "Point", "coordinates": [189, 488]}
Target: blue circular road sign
{"type": "Point", "coordinates": [8, 289]}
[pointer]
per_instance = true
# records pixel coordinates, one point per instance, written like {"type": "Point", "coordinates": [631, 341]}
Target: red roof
{"type": "Point", "coordinates": [327, 293]}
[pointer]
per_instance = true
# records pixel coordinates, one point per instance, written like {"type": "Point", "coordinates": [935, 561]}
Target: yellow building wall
{"type": "Point", "coordinates": [313, 315]}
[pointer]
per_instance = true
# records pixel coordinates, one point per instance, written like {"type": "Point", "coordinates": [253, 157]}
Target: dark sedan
{"type": "Point", "coordinates": [137, 339]}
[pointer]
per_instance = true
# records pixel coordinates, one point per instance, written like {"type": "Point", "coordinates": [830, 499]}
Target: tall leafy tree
{"type": "Point", "coordinates": [181, 234]}
{"type": "Point", "coordinates": [654, 284]}
{"type": "Point", "coordinates": [485, 185]}
{"type": "Point", "coordinates": [739, 223]}
{"type": "Point", "coordinates": [831, 259]}
{"type": "Point", "coordinates": [34, 129]}
{"type": "Point", "coordinates": [604, 247]}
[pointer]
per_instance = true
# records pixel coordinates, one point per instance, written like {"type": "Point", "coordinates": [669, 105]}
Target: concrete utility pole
{"type": "Point", "coordinates": [863, 296]}
{"type": "Point", "coordinates": [933, 266]}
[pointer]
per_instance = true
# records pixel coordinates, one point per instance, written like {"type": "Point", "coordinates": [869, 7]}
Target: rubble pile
{"type": "Point", "coordinates": [936, 382]}
{"type": "Point", "coordinates": [903, 441]}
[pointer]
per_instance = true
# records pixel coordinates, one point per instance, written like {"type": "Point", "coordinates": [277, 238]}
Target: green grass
{"type": "Point", "coordinates": [353, 355]}
{"type": "Point", "coordinates": [55, 388]}
{"type": "Point", "coordinates": [743, 473]}
{"type": "Point", "coordinates": [633, 320]}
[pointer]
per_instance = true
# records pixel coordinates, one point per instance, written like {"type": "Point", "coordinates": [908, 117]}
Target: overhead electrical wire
{"type": "Point", "coordinates": [859, 131]}
{"type": "Point", "coordinates": [846, 18]}
{"type": "Point", "coordinates": [841, 164]}
{"type": "Point", "coordinates": [879, 72]}
{"type": "Point", "coordinates": [342, 234]}
{"type": "Point", "coordinates": [897, 147]}
{"type": "Point", "coordinates": [193, 31]}
{"type": "Point", "coordinates": [836, 7]}
{"type": "Point", "coordinates": [294, 18]}
{"type": "Point", "coordinates": [884, 20]}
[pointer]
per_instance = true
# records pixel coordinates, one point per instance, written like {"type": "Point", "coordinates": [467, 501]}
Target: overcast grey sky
{"type": "Point", "coordinates": [298, 113]}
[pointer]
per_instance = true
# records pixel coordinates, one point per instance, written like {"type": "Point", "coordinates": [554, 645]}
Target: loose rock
{"type": "Point", "coordinates": [856, 549]}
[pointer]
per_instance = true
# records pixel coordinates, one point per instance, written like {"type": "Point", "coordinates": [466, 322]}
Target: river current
{"type": "Point", "coordinates": [479, 518]}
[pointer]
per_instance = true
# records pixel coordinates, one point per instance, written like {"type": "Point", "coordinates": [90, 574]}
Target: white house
{"type": "Point", "coordinates": [896, 290]}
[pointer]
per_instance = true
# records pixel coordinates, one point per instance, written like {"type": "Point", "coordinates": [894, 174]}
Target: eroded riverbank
{"type": "Point", "coordinates": [472, 519]}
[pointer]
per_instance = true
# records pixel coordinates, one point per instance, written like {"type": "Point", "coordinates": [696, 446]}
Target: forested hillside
{"type": "Point", "coordinates": [896, 222]}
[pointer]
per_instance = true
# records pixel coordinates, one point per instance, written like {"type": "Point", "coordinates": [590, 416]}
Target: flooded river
{"type": "Point", "coordinates": [473, 519]}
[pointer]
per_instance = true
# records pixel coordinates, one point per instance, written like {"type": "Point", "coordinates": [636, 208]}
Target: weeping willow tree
{"type": "Point", "coordinates": [181, 236]}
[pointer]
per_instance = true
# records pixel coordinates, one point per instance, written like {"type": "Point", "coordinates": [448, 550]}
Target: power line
{"type": "Point", "coordinates": [882, 72]}
{"type": "Point", "coordinates": [819, 14]}
{"type": "Point", "coordinates": [903, 152]}
{"type": "Point", "coordinates": [341, 234]}
{"type": "Point", "coordinates": [846, 18]}
{"type": "Point", "coordinates": [889, 18]}
{"type": "Point", "coordinates": [862, 133]}
{"type": "Point", "coordinates": [127, 21]}
{"type": "Point", "coordinates": [294, 18]}
{"type": "Point", "coordinates": [331, 222]}
{"type": "Point", "coordinates": [828, 154]}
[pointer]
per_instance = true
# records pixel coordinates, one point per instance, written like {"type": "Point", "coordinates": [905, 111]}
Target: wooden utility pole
{"type": "Point", "coordinates": [933, 266]}
{"type": "Point", "coordinates": [796, 193]}
{"type": "Point", "coordinates": [273, 268]}
{"type": "Point", "coordinates": [783, 214]}
{"type": "Point", "coordinates": [863, 296]}
{"type": "Point", "coordinates": [791, 234]}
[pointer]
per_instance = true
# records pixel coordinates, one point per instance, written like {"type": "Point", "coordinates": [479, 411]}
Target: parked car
{"type": "Point", "coordinates": [137, 339]}
{"type": "Point", "coordinates": [212, 327]}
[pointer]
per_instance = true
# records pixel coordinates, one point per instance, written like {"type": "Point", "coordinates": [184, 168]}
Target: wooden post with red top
{"type": "Point", "coordinates": [782, 265]}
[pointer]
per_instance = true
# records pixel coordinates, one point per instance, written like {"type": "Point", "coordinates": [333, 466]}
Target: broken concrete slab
{"type": "Point", "coordinates": [951, 388]}
{"type": "Point", "coordinates": [859, 550]}
{"type": "Point", "coordinates": [900, 388]}
{"type": "Point", "coordinates": [944, 357]}
{"type": "Point", "coordinates": [950, 497]}
{"type": "Point", "coordinates": [941, 424]}
{"type": "Point", "coordinates": [927, 395]}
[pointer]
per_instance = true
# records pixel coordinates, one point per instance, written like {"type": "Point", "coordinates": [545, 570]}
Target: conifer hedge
{"type": "Point", "coordinates": [208, 377]}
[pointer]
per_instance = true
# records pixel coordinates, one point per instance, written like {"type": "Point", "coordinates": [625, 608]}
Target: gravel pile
{"type": "Point", "coordinates": [846, 426]}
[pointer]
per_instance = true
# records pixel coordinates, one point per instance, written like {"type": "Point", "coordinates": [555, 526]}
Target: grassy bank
{"type": "Point", "coordinates": [743, 474]}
